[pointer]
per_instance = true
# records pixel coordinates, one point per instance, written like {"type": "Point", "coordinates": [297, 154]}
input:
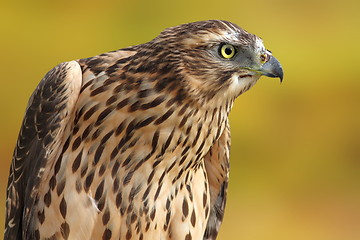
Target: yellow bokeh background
{"type": "Point", "coordinates": [295, 161]}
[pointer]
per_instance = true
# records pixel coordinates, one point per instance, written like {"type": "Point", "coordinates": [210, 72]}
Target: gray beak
{"type": "Point", "coordinates": [272, 68]}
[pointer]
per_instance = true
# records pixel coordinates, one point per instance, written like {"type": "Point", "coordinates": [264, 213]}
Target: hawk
{"type": "Point", "coordinates": [134, 143]}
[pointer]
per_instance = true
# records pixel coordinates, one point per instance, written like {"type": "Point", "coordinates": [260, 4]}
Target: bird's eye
{"type": "Point", "coordinates": [227, 51]}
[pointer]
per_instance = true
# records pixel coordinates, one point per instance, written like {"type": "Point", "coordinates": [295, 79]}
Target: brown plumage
{"type": "Point", "coordinates": [134, 143]}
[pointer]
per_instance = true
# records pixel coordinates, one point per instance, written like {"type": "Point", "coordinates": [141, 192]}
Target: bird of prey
{"type": "Point", "coordinates": [134, 144]}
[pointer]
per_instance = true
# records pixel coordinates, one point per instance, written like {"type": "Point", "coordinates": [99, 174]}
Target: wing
{"type": "Point", "coordinates": [217, 168]}
{"type": "Point", "coordinates": [46, 117]}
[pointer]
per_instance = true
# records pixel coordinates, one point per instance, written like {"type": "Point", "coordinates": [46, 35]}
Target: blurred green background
{"type": "Point", "coordinates": [295, 146]}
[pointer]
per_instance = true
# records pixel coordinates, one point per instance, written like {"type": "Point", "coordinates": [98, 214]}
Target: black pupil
{"type": "Point", "coordinates": [228, 51]}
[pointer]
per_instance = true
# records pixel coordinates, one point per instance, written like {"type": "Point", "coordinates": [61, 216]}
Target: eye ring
{"type": "Point", "coordinates": [227, 51]}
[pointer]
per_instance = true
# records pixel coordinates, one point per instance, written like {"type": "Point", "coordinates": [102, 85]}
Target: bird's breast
{"type": "Point", "coordinates": [132, 164]}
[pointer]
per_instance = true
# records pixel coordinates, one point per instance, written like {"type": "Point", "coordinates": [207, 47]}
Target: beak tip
{"type": "Point", "coordinates": [281, 76]}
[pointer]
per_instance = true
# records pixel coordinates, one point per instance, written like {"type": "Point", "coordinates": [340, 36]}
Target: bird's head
{"type": "Point", "coordinates": [217, 59]}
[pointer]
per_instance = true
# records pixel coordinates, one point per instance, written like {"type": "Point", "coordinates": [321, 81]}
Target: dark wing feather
{"type": "Point", "coordinates": [46, 116]}
{"type": "Point", "coordinates": [217, 168]}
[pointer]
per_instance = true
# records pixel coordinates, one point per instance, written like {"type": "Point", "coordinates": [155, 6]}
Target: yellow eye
{"type": "Point", "coordinates": [227, 51]}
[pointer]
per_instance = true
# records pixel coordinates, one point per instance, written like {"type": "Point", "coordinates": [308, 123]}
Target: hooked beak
{"type": "Point", "coordinates": [272, 68]}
